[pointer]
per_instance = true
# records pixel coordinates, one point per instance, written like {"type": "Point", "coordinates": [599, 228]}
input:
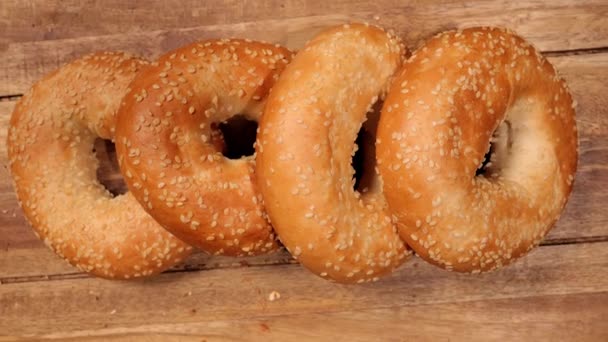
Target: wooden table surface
{"type": "Point", "coordinates": [558, 292]}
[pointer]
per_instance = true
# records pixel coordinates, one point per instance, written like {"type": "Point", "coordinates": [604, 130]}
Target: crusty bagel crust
{"type": "Point", "coordinates": [50, 144]}
{"type": "Point", "coordinates": [304, 150]}
{"type": "Point", "coordinates": [457, 93]}
{"type": "Point", "coordinates": [166, 149]}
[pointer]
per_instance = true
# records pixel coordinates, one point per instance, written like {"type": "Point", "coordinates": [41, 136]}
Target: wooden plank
{"type": "Point", "coordinates": [54, 19]}
{"type": "Point", "coordinates": [14, 231]}
{"type": "Point", "coordinates": [543, 318]}
{"type": "Point", "coordinates": [585, 215]}
{"type": "Point", "coordinates": [23, 255]}
{"type": "Point", "coordinates": [551, 25]}
{"type": "Point", "coordinates": [65, 306]}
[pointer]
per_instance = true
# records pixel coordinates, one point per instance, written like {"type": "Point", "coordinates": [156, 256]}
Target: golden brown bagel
{"type": "Point", "coordinates": [457, 91]}
{"type": "Point", "coordinates": [50, 144]}
{"type": "Point", "coordinates": [305, 144]}
{"type": "Point", "coordinates": [165, 143]}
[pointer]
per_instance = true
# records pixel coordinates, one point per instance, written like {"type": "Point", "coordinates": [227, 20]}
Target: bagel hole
{"type": "Point", "coordinates": [238, 135]}
{"type": "Point", "coordinates": [364, 159]}
{"type": "Point", "coordinates": [500, 144]}
{"type": "Point", "coordinates": [108, 172]}
{"type": "Point", "coordinates": [358, 160]}
{"type": "Point", "coordinates": [481, 171]}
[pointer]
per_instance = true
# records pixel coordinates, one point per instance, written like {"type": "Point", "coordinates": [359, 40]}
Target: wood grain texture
{"type": "Point", "coordinates": [586, 78]}
{"type": "Point", "coordinates": [57, 19]}
{"type": "Point", "coordinates": [64, 306]}
{"type": "Point", "coordinates": [558, 292]}
{"type": "Point", "coordinates": [541, 318]}
{"type": "Point", "coordinates": [24, 21]}
{"type": "Point", "coordinates": [554, 25]}
{"type": "Point", "coordinates": [23, 256]}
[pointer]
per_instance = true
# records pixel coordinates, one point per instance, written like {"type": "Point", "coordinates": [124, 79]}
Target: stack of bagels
{"type": "Point", "coordinates": [469, 163]}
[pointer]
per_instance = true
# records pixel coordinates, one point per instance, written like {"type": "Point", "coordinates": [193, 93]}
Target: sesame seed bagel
{"type": "Point", "coordinates": [461, 95]}
{"type": "Point", "coordinates": [305, 144]}
{"type": "Point", "coordinates": [166, 149]}
{"type": "Point", "coordinates": [51, 159]}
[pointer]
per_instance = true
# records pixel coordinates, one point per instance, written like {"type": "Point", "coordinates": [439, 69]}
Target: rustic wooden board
{"type": "Point", "coordinates": [85, 304]}
{"type": "Point", "coordinates": [554, 25]}
{"type": "Point", "coordinates": [584, 216]}
{"type": "Point", "coordinates": [558, 292]}
{"type": "Point", "coordinates": [544, 318]}
{"type": "Point", "coordinates": [52, 19]}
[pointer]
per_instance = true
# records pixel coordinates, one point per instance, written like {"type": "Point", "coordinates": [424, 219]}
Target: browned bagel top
{"type": "Point", "coordinates": [165, 142]}
{"type": "Point", "coordinates": [460, 95]}
{"type": "Point", "coordinates": [304, 152]}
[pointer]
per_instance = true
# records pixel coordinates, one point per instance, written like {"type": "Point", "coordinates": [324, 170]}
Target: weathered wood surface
{"type": "Point", "coordinates": [559, 292]}
{"type": "Point", "coordinates": [550, 25]}
{"type": "Point", "coordinates": [59, 307]}
{"type": "Point", "coordinates": [58, 19]}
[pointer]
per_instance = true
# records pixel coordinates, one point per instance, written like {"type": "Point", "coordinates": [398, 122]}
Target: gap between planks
{"type": "Point", "coordinates": [201, 262]}
{"type": "Point", "coordinates": [575, 52]}
{"type": "Point", "coordinates": [196, 263]}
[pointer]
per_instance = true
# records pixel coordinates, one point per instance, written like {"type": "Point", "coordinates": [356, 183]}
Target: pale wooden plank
{"type": "Point", "coordinates": [584, 217]}
{"type": "Point", "coordinates": [235, 294]}
{"type": "Point", "coordinates": [585, 214]}
{"type": "Point", "coordinates": [23, 21]}
{"type": "Point", "coordinates": [575, 317]}
{"type": "Point", "coordinates": [53, 19]}
{"type": "Point", "coordinates": [551, 25]}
